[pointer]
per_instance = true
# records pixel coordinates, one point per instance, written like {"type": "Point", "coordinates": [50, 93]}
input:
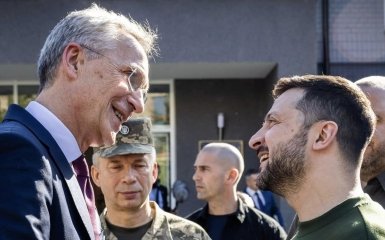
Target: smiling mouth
{"type": "Point", "coordinates": [119, 115]}
{"type": "Point", "coordinates": [263, 157]}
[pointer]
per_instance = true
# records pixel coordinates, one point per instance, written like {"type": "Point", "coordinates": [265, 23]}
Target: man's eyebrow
{"type": "Point", "coordinates": [201, 166]}
{"type": "Point", "coordinates": [114, 160]}
{"type": "Point", "coordinates": [139, 69]}
{"type": "Point", "coordinates": [140, 159]}
{"type": "Point", "coordinates": [268, 115]}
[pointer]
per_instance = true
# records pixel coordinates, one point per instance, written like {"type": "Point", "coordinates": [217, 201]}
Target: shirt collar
{"type": "Point", "coordinates": [62, 135]}
{"type": "Point", "coordinates": [250, 191]}
{"type": "Point", "coordinates": [239, 214]}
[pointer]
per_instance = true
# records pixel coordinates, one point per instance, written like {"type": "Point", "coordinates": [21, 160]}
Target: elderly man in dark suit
{"type": "Point", "coordinates": [93, 71]}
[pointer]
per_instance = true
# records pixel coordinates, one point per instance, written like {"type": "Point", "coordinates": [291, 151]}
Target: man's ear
{"type": "Point", "coordinates": [326, 132]}
{"type": "Point", "coordinates": [72, 56]}
{"type": "Point", "coordinates": [95, 175]}
{"type": "Point", "coordinates": [233, 175]}
{"type": "Point", "coordinates": [155, 171]}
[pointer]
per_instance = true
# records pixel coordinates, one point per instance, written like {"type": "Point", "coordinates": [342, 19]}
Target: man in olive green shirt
{"type": "Point", "coordinates": [311, 147]}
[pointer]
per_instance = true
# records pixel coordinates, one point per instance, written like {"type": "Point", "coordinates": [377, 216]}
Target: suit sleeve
{"type": "Point", "coordinates": [26, 189]}
{"type": "Point", "coordinates": [166, 207]}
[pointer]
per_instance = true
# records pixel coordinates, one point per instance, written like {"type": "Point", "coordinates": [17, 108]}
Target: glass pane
{"type": "Point", "coordinates": [27, 94]}
{"type": "Point", "coordinates": [162, 146]}
{"type": "Point", "coordinates": [159, 103]}
{"type": "Point", "coordinates": [157, 106]}
{"type": "Point", "coordinates": [6, 98]}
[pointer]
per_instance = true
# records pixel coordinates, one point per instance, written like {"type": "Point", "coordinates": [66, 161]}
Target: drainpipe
{"type": "Point", "coordinates": [325, 37]}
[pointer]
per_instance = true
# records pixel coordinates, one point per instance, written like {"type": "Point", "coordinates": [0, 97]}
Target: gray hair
{"type": "Point", "coordinates": [94, 27]}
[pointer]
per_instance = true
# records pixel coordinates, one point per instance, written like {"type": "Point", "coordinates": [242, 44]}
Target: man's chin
{"type": "Point", "coordinates": [200, 197]}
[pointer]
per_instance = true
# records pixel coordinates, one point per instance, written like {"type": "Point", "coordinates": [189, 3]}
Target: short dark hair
{"type": "Point", "coordinates": [251, 171]}
{"type": "Point", "coordinates": [336, 99]}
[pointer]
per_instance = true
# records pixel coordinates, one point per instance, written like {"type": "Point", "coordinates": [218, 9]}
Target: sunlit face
{"type": "Point", "coordinates": [281, 144]}
{"type": "Point", "coordinates": [108, 100]}
{"type": "Point", "coordinates": [125, 181]}
{"type": "Point", "coordinates": [374, 158]}
{"type": "Point", "coordinates": [209, 176]}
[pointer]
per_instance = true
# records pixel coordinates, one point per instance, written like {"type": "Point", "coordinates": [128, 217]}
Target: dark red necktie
{"type": "Point", "coordinates": [83, 176]}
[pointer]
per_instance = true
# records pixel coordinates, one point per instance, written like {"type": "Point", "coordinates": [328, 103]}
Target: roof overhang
{"type": "Point", "coordinates": [211, 70]}
{"type": "Point", "coordinates": [238, 70]}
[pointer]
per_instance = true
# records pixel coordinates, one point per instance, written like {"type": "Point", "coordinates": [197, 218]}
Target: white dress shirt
{"type": "Point", "coordinates": [62, 135]}
{"type": "Point", "coordinates": [254, 196]}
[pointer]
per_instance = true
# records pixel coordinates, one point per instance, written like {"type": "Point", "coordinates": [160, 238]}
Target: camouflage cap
{"type": "Point", "coordinates": [135, 137]}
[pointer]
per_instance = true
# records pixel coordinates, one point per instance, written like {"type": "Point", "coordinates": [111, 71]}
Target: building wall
{"type": "Point", "coordinates": [190, 31]}
{"type": "Point", "coordinates": [357, 31]}
{"type": "Point", "coordinates": [356, 37]}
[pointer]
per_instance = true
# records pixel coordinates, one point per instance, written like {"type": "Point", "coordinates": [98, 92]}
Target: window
{"type": "Point", "coordinates": [16, 92]}
{"type": "Point", "coordinates": [6, 98]}
{"type": "Point", "coordinates": [159, 109]}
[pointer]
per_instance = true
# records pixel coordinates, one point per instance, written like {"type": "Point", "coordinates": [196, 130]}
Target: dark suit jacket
{"type": "Point", "coordinates": [159, 188]}
{"type": "Point", "coordinates": [40, 196]}
{"type": "Point", "coordinates": [270, 207]}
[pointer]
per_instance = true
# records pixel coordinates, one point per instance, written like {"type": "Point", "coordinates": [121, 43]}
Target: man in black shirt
{"type": "Point", "coordinates": [218, 169]}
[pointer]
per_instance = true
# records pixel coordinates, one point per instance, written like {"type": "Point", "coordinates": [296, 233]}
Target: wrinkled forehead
{"type": "Point", "coordinates": [130, 52]}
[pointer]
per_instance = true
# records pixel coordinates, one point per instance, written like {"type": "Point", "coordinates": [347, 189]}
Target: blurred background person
{"type": "Point", "coordinates": [159, 194]}
{"type": "Point", "coordinates": [263, 200]}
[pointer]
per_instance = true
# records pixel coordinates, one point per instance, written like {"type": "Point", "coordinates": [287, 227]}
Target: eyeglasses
{"type": "Point", "coordinates": [134, 80]}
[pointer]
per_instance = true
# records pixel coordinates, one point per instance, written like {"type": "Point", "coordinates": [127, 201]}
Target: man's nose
{"type": "Point", "coordinates": [136, 99]}
{"type": "Point", "coordinates": [257, 139]}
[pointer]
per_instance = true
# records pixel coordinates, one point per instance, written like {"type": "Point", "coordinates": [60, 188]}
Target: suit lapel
{"type": "Point", "coordinates": [19, 114]}
{"type": "Point", "coordinates": [73, 187]}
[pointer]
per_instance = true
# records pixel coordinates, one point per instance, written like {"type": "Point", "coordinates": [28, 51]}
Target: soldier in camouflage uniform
{"type": "Point", "coordinates": [125, 172]}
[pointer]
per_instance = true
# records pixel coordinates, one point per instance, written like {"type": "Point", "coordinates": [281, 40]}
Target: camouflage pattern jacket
{"type": "Point", "coordinates": [164, 226]}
